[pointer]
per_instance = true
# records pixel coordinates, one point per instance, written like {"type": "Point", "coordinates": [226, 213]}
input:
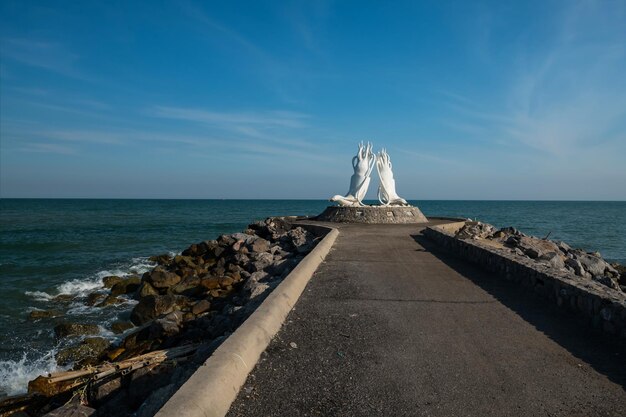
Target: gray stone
{"type": "Point", "coordinates": [593, 264]}
{"type": "Point", "coordinates": [553, 259]}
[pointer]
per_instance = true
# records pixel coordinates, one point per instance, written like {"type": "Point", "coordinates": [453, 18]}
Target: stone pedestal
{"type": "Point", "coordinates": [373, 215]}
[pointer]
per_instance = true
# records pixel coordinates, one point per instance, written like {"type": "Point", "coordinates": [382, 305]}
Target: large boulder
{"type": "Point", "coordinates": [87, 352]}
{"type": "Point", "coordinates": [44, 314]}
{"type": "Point", "coordinates": [75, 329]}
{"type": "Point", "coordinates": [126, 286]}
{"type": "Point", "coordinates": [153, 306]}
{"type": "Point", "coordinates": [160, 278]}
{"type": "Point", "coordinates": [593, 264]}
{"type": "Point", "coordinates": [110, 281]}
{"type": "Point", "coordinates": [475, 230]}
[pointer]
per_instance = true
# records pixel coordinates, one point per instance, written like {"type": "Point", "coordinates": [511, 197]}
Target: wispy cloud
{"type": "Point", "coordinates": [51, 56]}
{"type": "Point", "coordinates": [48, 148]}
{"type": "Point", "coordinates": [564, 94]}
{"type": "Point", "coordinates": [277, 118]}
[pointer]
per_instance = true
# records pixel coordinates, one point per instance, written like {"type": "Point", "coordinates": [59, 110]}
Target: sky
{"type": "Point", "coordinates": [497, 100]}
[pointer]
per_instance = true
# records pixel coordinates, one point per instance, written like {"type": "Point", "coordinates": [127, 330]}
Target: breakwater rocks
{"type": "Point", "coordinates": [576, 280]}
{"type": "Point", "coordinates": [191, 301]}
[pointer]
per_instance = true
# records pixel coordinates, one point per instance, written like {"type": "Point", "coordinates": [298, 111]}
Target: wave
{"type": "Point", "coordinates": [15, 374]}
{"type": "Point", "coordinates": [80, 288]}
{"type": "Point", "coordinates": [39, 295]}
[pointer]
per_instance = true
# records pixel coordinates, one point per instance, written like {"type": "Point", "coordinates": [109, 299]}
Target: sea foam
{"type": "Point", "coordinates": [15, 374]}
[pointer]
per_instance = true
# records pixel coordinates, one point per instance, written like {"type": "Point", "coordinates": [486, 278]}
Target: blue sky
{"type": "Point", "coordinates": [186, 99]}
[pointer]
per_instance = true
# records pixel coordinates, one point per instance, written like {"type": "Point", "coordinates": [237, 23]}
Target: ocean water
{"type": "Point", "coordinates": [52, 248]}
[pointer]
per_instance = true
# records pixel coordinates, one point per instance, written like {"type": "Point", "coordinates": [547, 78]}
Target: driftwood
{"type": "Point", "coordinates": [62, 382]}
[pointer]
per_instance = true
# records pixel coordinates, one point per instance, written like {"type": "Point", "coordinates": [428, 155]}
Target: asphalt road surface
{"type": "Point", "coordinates": [390, 325]}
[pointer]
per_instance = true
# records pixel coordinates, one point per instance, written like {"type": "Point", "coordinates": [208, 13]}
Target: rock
{"type": "Point", "coordinates": [533, 246]}
{"type": "Point", "coordinates": [563, 247]}
{"type": "Point", "coordinates": [43, 314]}
{"type": "Point", "coordinates": [553, 259]}
{"type": "Point", "coordinates": [210, 283]}
{"type": "Point", "coordinates": [87, 352]}
{"type": "Point", "coordinates": [577, 267]}
{"type": "Point", "coordinates": [605, 280]}
{"type": "Point", "coordinates": [99, 391]}
{"type": "Point", "coordinates": [121, 326]}
{"type": "Point", "coordinates": [145, 289]}
{"type": "Point", "coordinates": [152, 306]}
{"type": "Point", "coordinates": [72, 409]}
{"type": "Point", "coordinates": [110, 300]}
{"type": "Point", "coordinates": [164, 259]}
{"type": "Point", "coordinates": [94, 298]}
{"type": "Point", "coordinates": [185, 261]}
{"type": "Point", "coordinates": [75, 329]}
{"type": "Point", "coordinates": [282, 267]}
{"type": "Point", "coordinates": [262, 261]}
{"type": "Point", "coordinates": [475, 230]}
{"type": "Point", "coordinates": [258, 289]}
{"type": "Point", "coordinates": [167, 326]}
{"type": "Point", "coordinates": [201, 307]}
{"type": "Point", "coordinates": [64, 298]}
{"type": "Point", "coordinates": [260, 245]}
{"type": "Point", "coordinates": [126, 286]}
{"type": "Point", "coordinates": [110, 281]}
{"type": "Point", "coordinates": [593, 264]}
{"type": "Point", "coordinates": [160, 278]}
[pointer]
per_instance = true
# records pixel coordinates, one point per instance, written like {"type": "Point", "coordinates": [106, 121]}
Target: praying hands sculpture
{"type": "Point", "coordinates": [363, 164]}
{"type": "Point", "coordinates": [387, 189]}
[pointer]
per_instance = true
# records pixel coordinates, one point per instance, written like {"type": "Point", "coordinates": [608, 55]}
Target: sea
{"type": "Point", "coordinates": [54, 252]}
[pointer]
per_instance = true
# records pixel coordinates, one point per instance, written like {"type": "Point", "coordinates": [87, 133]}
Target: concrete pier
{"type": "Point", "coordinates": [392, 325]}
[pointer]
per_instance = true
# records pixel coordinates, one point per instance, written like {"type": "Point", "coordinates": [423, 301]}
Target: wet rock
{"type": "Point", "coordinates": [110, 281]}
{"type": "Point", "coordinates": [94, 298]}
{"type": "Point", "coordinates": [160, 278]}
{"type": "Point", "coordinates": [111, 300]}
{"type": "Point", "coordinates": [87, 352]}
{"type": "Point", "coordinates": [121, 326]}
{"type": "Point", "coordinates": [44, 314]}
{"type": "Point", "coordinates": [64, 298]}
{"type": "Point", "coordinates": [152, 306]}
{"type": "Point", "coordinates": [126, 286]}
{"type": "Point", "coordinates": [75, 329]}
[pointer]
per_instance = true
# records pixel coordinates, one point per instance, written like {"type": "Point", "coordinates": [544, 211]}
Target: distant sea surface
{"type": "Point", "coordinates": [64, 247]}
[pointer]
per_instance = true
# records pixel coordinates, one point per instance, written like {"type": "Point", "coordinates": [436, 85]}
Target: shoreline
{"type": "Point", "coordinates": [199, 296]}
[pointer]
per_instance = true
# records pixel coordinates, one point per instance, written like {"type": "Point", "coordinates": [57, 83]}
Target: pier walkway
{"type": "Point", "coordinates": [389, 325]}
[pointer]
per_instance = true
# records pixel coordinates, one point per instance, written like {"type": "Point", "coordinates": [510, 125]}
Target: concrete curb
{"type": "Point", "coordinates": [210, 391]}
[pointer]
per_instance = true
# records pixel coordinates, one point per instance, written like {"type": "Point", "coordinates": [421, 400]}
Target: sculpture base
{"type": "Point", "coordinates": [372, 215]}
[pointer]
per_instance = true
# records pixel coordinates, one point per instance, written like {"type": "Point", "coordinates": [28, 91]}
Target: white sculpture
{"type": "Point", "coordinates": [363, 164]}
{"type": "Point", "coordinates": [387, 189]}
